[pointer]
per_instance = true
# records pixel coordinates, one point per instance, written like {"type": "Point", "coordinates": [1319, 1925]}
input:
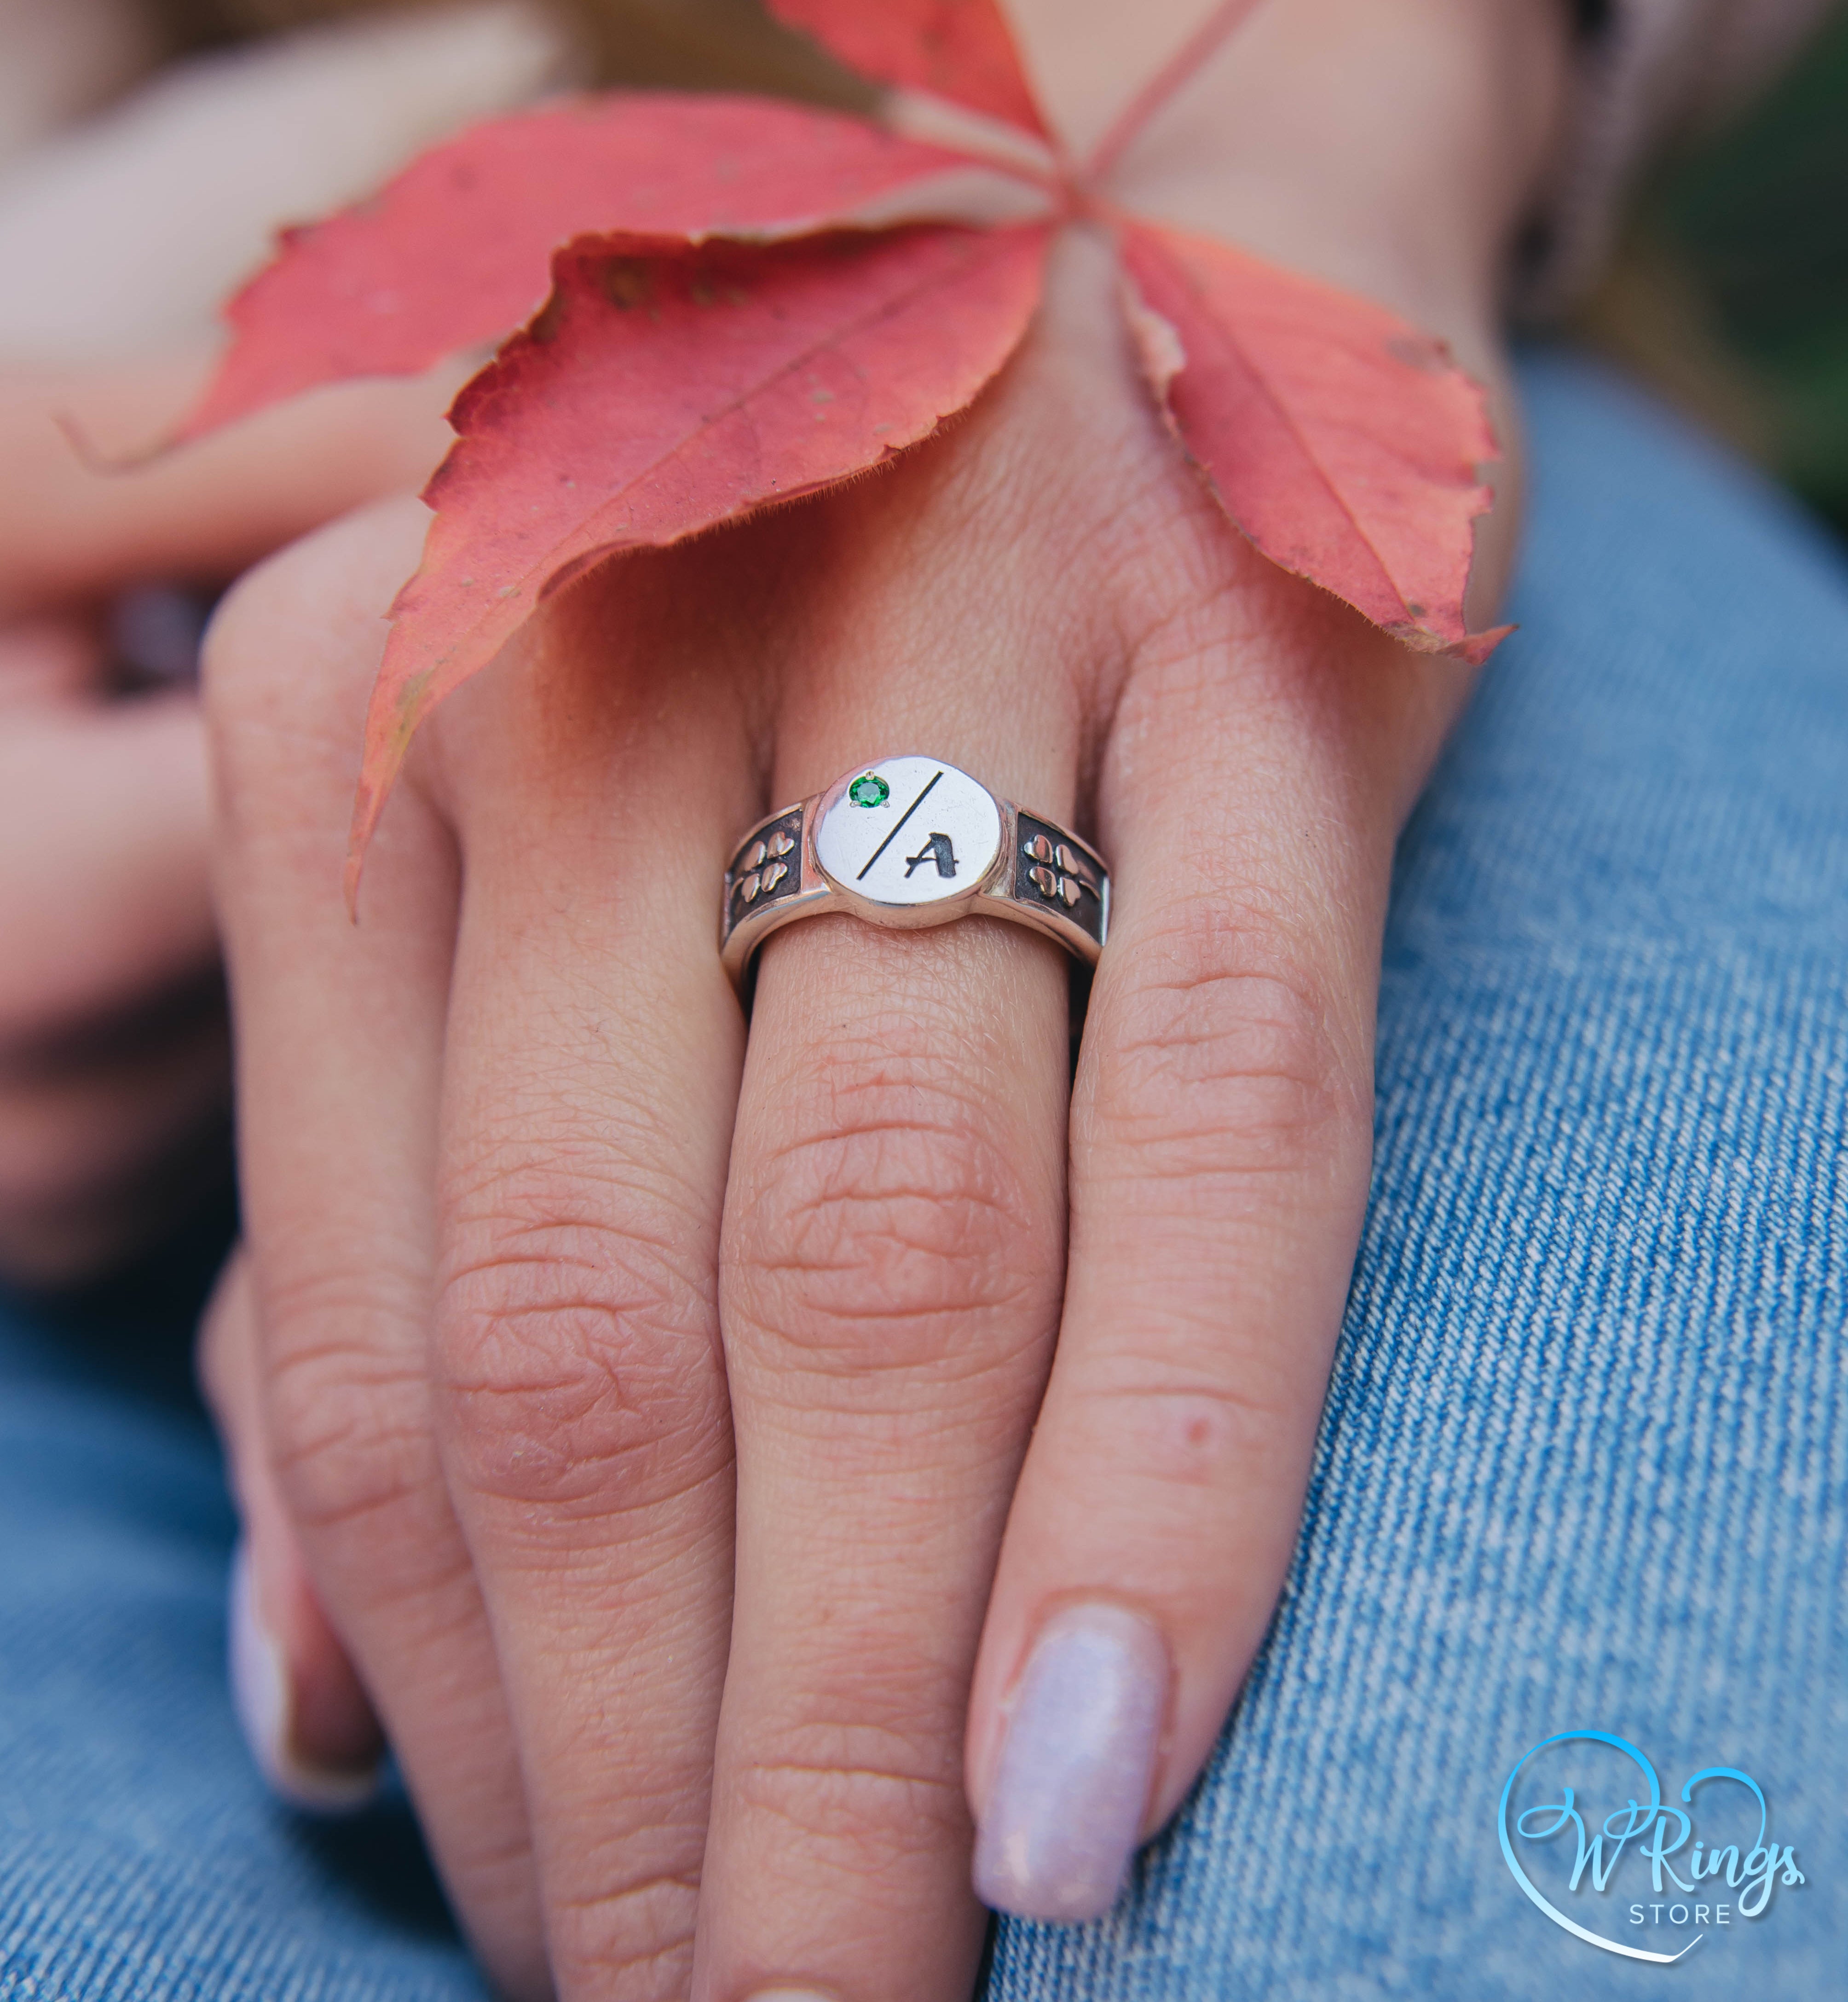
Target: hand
{"type": "Point", "coordinates": [114, 1058]}
{"type": "Point", "coordinates": [535, 1238]}
{"type": "Point", "coordinates": [119, 241]}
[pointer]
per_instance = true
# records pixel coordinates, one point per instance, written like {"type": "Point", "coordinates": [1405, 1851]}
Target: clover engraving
{"type": "Point", "coordinates": [764, 861]}
{"type": "Point", "coordinates": [1057, 871]}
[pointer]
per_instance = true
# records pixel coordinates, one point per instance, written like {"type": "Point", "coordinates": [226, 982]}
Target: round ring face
{"type": "Point", "coordinates": [908, 831]}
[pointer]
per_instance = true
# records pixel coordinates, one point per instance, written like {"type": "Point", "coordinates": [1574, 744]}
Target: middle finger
{"type": "Point", "coordinates": [589, 1086]}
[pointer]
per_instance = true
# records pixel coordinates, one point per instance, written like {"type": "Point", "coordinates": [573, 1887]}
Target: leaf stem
{"type": "Point", "coordinates": [1192, 56]}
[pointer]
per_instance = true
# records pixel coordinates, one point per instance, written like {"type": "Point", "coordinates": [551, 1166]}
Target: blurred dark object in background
{"type": "Point", "coordinates": [1731, 291]}
{"type": "Point", "coordinates": [154, 635]}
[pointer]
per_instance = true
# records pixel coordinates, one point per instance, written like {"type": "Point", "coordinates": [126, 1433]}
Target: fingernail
{"type": "Point", "coordinates": [265, 1705]}
{"type": "Point", "coordinates": [1071, 1784]}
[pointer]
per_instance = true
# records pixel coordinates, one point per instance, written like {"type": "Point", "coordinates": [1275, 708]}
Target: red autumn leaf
{"type": "Point", "coordinates": [680, 376]}
{"type": "Point", "coordinates": [1345, 444]}
{"type": "Point", "coordinates": [457, 250]}
{"type": "Point", "coordinates": [961, 49]}
{"type": "Point", "coordinates": [670, 386]}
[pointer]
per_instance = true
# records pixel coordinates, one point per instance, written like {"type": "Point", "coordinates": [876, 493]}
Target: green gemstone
{"type": "Point", "coordinates": [869, 789]}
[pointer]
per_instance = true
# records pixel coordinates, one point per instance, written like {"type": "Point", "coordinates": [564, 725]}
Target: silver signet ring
{"type": "Point", "coordinates": [909, 842]}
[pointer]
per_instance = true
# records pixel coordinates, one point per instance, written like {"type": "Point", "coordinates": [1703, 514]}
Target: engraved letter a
{"type": "Point", "coordinates": [937, 849]}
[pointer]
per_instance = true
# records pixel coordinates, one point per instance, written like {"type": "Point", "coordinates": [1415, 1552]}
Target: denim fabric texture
{"type": "Point", "coordinates": [1584, 1464]}
{"type": "Point", "coordinates": [141, 1858]}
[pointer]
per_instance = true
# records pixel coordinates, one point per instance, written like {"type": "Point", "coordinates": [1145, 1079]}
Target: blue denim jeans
{"type": "Point", "coordinates": [1584, 1466]}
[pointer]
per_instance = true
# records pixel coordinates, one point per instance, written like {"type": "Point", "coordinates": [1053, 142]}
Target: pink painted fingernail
{"type": "Point", "coordinates": [1072, 1786]}
{"type": "Point", "coordinates": [265, 1705]}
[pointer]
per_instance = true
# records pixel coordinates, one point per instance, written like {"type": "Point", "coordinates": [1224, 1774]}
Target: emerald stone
{"type": "Point", "coordinates": [869, 789]}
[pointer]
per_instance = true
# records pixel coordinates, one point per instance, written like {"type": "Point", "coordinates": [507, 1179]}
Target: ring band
{"type": "Point", "coordinates": [909, 841]}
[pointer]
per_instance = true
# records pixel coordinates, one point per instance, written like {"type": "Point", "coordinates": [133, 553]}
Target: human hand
{"type": "Point", "coordinates": [117, 241]}
{"type": "Point", "coordinates": [535, 1238]}
{"type": "Point", "coordinates": [114, 1060]}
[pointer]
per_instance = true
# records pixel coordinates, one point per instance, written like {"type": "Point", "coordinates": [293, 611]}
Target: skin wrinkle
{"type": "Point", "coordinates": [1244, 1075]}
{"type": "Point", "coordinates": [525, 1189]}
{"type": "Point", "coordinates": [898, 1730]}
{"type": "Point", "coordinates": [925, 1782]}
{"type": "Point", "coordinates": [881, 1167]}
{"type": "Point", "coordinates": [587, 1443]}
{"type": "Point", "coordinates": [893, 1740]}
{"type": "Point", "coordinates": [908, 1832]}
{"type": "Point", "coordinates": [338, 1455]}
{"type": "Point", "coordinates": [606, 1965]}
{"type": "Point", "coordinates": [638, 1922]}
{"type": "Point", "coordinates": [652, 1565]}
{"type": "Point", "coordinates": [352, 1470]}
{"type": "Point", "coordinates": [856, 1268]}
{"type": "Point", "coordinates": [349, 1471]}
{"type": "Point", "coordinates": [601, 1509]}
{"type": "Point", "coordinates": [1197, 1010]}
{"type": "Point", "coordinates": [631, 1291]}
{"type": "Point", "coordinates": [314, 1288]}
{"type": "Point", "coordinates": [858, 1427]}
{"type": "Point", "coordinates": [828, 1198]}
{"type": "Point", "coordinates": [598, 1251]}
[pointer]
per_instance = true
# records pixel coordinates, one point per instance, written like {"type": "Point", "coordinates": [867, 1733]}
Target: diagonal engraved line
{"type": "Point", "coordinates": [894, 835]}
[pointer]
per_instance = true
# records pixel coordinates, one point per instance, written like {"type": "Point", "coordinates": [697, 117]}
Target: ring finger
{"type": "Point", "coordinates": [589, 1091]}
{"type": "Point", "coordinates": [892, 1262]}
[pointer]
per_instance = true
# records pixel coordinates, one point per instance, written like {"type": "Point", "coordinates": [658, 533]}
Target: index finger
{"type": "Point", "coordinates": [72, 527]}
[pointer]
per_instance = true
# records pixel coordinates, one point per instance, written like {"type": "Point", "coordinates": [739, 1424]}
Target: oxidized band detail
{"type": "Point", "coordinates": [909, 841]}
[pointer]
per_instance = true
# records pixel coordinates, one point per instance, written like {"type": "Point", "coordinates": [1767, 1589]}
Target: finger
{"type": "Point", "coordinates": [303, 1712]}
{"type": "Point", "coordinates": [113, 1060]}
{"type": "Point", "coordinates": [341, 1031]}
{"type": "Point", "coordinates": [49, 660]}
{"type": "Point", "coordinates": [590, 1087]}
{"type": "Point", "coordinates": [104, 819]}
{"type": "Point", "coordinates": [71, 529]}
{"type": "Point", "coordinates": [893, 1246]}
{"type": "Point", "coordinates": [110, 1129]}
{"type": "Point", "coordinates": [1222, 1136]}
{"type": "Point", "coordinates": [128, 230]}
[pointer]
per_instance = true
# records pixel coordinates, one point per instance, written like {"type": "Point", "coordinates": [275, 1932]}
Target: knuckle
{"type": "Point", "coordinates": [578, 1356]}
{"type": "Point", "coordinates": [247, 666]}
{"type": "Point", "coordinates": [869, 1792]}
{"type": "Point", "coordinates": [349, 1425]}
{"type": "Point", "coordinates": [894, 1227]}
{"type": "Point", "coordinates": [632, 1936]}
{"type": "Point", "coordinates": [290, 656]}
{"type": "Point", "coordinates": [1222, 1058]}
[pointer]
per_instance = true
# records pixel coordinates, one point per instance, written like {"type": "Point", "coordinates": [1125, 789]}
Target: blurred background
{"type": "Point", "coordinates": [1730, 290]}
